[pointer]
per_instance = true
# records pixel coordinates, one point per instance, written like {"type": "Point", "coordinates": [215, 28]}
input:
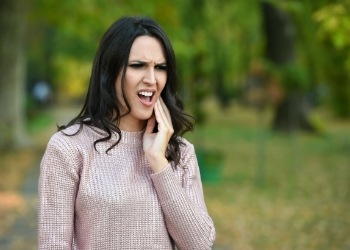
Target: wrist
{"type": "Point", "coordinates": [158, 163]}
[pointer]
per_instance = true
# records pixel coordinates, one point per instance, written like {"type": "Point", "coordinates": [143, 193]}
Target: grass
{"type": "Point", "coordinates": [277, 191]}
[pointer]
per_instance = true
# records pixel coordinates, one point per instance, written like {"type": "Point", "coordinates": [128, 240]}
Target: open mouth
{"type": "Point", "coordinates": [146, 96]}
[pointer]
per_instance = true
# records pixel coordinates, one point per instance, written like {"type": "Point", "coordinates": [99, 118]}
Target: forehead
{"type": "Point", "coordinates": [147, 48]}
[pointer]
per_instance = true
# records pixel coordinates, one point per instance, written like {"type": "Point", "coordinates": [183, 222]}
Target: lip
{"type": "Point", "coordinates": [150, 103]}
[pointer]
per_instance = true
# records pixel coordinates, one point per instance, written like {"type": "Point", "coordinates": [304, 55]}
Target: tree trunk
{"type": "Point", "coordinates": [279, 33]}
{"type": "Point", "coordinates": [12, 73]}
{"type": "Point", "coordinates": [292, 112]}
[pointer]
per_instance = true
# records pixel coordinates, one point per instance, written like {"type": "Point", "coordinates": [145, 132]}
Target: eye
{"type": "Point", "coordinates": [137, 65]}
{"type": "Point", "coordinates": [162, 67]}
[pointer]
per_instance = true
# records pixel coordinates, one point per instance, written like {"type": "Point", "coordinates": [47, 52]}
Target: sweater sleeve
{"type": "Point", "coordinates": [58, 183]}
{"type": "Point", "coordinates": [183, 204]}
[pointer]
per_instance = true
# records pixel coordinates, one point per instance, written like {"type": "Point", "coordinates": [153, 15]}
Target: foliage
{"type": "Point", "coordinates": [216, 42]}
{"type": "Point", "coordinates": [73, 77]}
{"type": "Point", "coordinates": [333, 28]}
{"type": "Point", "coordinates": [334, 24]}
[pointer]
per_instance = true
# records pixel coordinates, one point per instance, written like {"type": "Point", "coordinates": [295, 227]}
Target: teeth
{"type": "Point", "coordinates": [145, 93]}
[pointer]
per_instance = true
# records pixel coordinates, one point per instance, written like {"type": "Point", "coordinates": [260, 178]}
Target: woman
{"type": "Point", "coordinates": [119, 175]}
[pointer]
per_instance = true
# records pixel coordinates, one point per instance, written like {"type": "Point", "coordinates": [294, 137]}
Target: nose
{"type": "Point", "coordinates": [150, 77]}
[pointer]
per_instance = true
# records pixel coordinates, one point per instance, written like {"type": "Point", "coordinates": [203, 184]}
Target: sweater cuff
{"type": "Point", "coordinates": [166, 184]}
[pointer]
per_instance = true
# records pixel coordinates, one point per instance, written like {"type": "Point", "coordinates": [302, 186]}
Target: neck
{"type": "Point", "coordinates": [131, 126]}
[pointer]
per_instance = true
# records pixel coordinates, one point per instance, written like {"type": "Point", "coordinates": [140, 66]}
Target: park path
{"type": "Point", "coordinates": [22, 235]}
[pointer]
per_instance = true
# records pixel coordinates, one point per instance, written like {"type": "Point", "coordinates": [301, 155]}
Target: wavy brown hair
{"type": "Point", "coordinates": [101, 109]}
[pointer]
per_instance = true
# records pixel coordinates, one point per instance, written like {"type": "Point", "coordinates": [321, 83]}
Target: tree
{"type": "Point", "coordinates": [12, 73]}
{"type": "Point", "coordinates": [292, 112]}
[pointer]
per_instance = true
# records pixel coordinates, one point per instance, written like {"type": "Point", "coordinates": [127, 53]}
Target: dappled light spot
{"type": "Point", "coordinates": [10, 201]}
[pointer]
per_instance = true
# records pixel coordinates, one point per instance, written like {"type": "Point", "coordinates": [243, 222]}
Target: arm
{"type": "Point", "coordinates": [183, 205]}
{"type": "Point", "coordinates": [58, 183]}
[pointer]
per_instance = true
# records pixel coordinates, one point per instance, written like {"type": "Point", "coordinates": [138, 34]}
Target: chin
{"type": "Point", "coordinates": [144, 117]}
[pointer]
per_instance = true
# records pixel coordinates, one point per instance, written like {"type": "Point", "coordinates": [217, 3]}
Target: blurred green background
{"type": "Point", "coordinates": [269, 84]}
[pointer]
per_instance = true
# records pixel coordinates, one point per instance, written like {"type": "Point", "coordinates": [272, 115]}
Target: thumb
{"type": "Point", "coordinates": [150, 125]}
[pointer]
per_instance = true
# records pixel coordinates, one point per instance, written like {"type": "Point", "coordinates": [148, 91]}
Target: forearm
{"type": "Point", "coordinates": [187, 221]}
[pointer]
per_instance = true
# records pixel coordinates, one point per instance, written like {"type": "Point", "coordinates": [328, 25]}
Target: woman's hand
{"type": "Point", "coordinates": [155, 144]}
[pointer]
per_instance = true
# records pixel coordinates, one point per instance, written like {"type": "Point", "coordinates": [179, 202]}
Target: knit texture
{"type": "Point", "coordinates": [92, 200]}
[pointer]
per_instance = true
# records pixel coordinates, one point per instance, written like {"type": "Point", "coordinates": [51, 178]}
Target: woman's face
{"type": "Point", "coordinates": [145, 78]}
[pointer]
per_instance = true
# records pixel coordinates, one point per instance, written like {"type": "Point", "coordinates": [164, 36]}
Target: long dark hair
{"type": "Point", "coordinates": [101, 109]}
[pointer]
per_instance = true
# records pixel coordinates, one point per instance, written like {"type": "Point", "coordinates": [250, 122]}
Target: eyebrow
{"type": "Point", "coordinates": [140, 61]}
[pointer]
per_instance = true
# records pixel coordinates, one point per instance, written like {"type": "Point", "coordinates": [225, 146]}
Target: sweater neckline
{"type": "Point", "coordinates": [133, 138]}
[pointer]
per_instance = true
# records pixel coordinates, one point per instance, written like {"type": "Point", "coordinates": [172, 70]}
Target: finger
{"type": "Point", "coordinates": [165, 108]}
{"type": "Point", "coordinates": [150, 125]}
{"type": "Point", "coordinates": [161, 117]}
{"type": "Point", "coordinates": [159, 113]}
{"type": "Point", "coordinates": [164, 111]}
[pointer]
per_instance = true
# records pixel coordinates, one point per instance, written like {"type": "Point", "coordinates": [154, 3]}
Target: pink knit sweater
{"type": "Point", "coordinates": [92, 200]}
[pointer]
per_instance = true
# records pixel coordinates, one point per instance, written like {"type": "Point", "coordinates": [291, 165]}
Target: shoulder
{"type": "Point", "coordinates": [185, 144]}
{"type": "Point", "coordinates": [73, 138]}
{"type": "Point", "coordinates": [187, 150]}
{"type": "Point", "coordinates": [65, 136]}
{"type": "Point", "coordinates": [63, 153]}
{"type": "Point", "coordinates": [70, 145]}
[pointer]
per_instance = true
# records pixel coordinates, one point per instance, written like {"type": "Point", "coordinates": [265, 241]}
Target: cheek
{"type": "Point", "coordinates": [132, 79]}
